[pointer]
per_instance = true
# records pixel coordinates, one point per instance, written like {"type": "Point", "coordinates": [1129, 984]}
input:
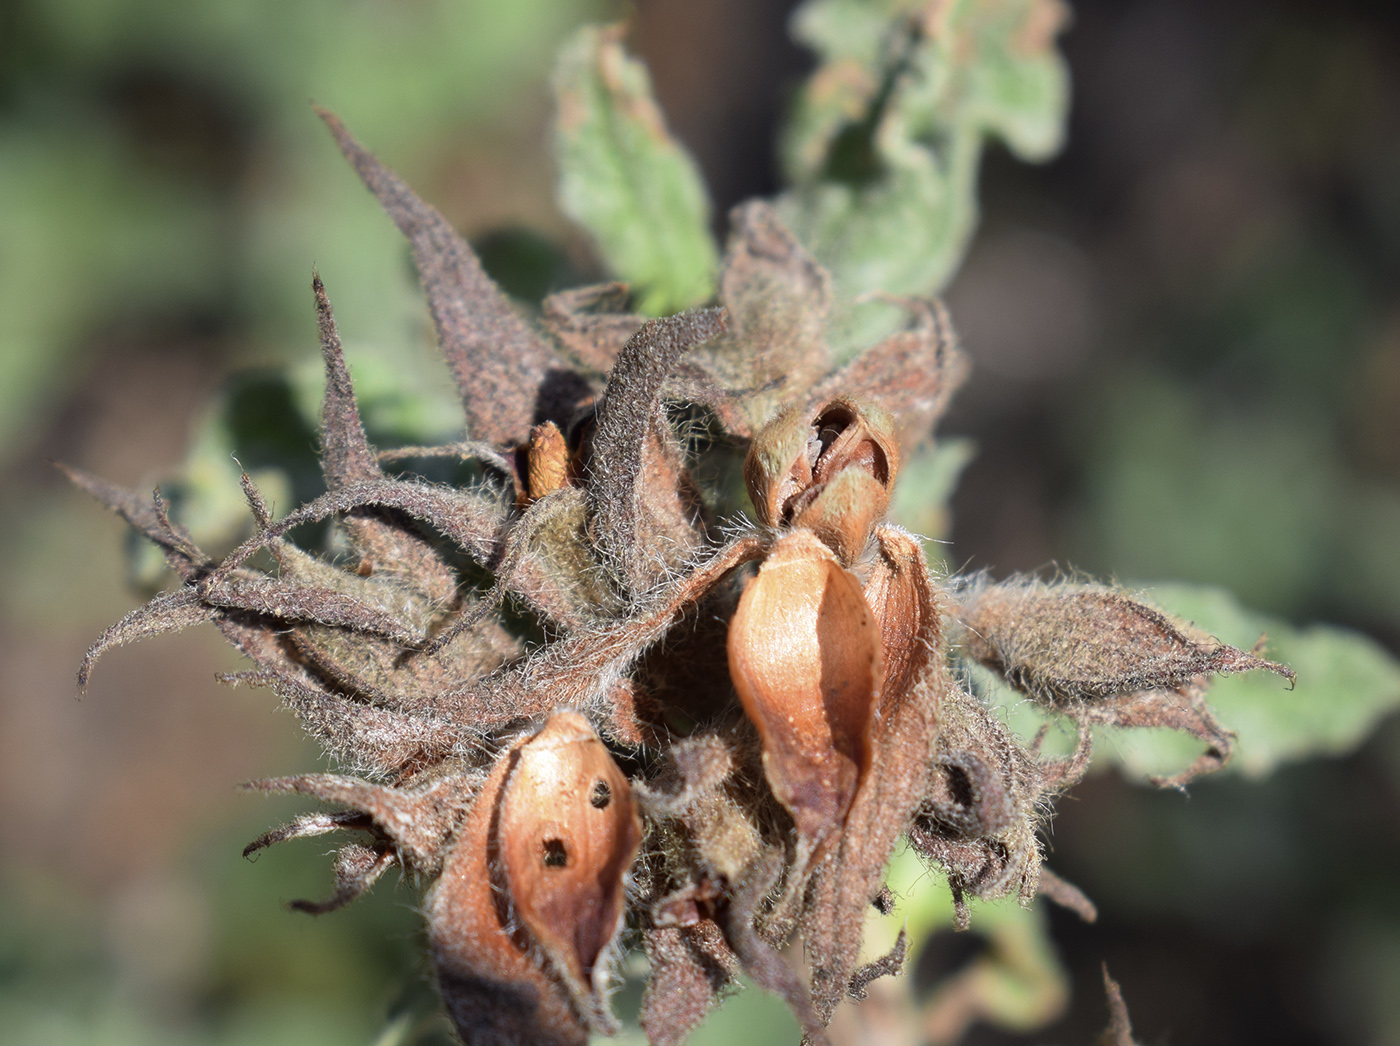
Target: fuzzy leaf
{"type": "Point", "coordinates": [346, 456]}
{"type": "Point", "coordinates": [1346, 682]}
{"type": "Point", "coordinates": [381, 739]}
{"type": "Point", "coordinates": [778, 299]}
{"type": "Point", "coordinates": [589, 323]}
{"type": "Point", "coordinates": [913, 373]}
{"type": "Point", "coordinates": [629, 475]}
{"type": "Point", "coordinates": [167, 612]}
{"type": "Point", "coordinates": [690, 967]}
{"type": "Point", "coordinates": [1067, 645]}
{"type": "Point", "coordinates": [625, 179]}
{"type": "Point", "coordinates": [1120, 1029]}
{"type": "Point", "coordinates": [146, 516]}
{"type": "Point", "coordinates": [415, 820]}
{"type": "Point", "coordinates": [468, 519]}
{"type": "Point", "coordinates": [357, 867]}
{"type": "Point", "coordinates": [887, 134]}
{"type": "Point", "coordinates": [245, 590]}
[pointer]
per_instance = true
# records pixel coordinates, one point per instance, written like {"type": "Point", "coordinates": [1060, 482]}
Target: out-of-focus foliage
{"type": "Point", "coordinates": [1013, 977]}
{"type": "Point", "coordinates": [883, 150]}
{"type": "Point", "coordinates": [1346, 683]}
{"type": "Point", "coordinates": [625, 179]}
{"type": "Point", "coordinates": [107, 220]}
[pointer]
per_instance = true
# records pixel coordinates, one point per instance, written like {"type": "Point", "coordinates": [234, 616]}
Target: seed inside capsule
{"type": "Point", "coordinates": [556, 854]}
{"type": "Point", "coordinates": [601, 795]}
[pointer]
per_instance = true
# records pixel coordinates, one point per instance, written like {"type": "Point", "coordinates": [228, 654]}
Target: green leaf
{"type": "Point", "coordinates": [885, 140]}
{"type": "Point", "coordinates": [625, 179]}
{"type": "Point", "coordinates": [1346, 683]}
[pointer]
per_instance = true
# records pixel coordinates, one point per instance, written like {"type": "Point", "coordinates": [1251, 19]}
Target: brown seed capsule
{"type": "Point", "coordinates": [546, 846]}
{"type": "Point", "coordinates": [804, 654]}
{"type": "Point", "coordinates": [795, 460]}
{"type": "Point", "coordinates": [494, 990]}
{"type": "Point", "coordinates": [568, 832]}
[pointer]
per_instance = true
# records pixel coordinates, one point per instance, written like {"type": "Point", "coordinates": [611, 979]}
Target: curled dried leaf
{"type": "Point", "coordinates": [804, 654]}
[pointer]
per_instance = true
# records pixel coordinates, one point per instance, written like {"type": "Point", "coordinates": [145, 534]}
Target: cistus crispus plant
{"type": "Point", "coordinates": [588, 706]}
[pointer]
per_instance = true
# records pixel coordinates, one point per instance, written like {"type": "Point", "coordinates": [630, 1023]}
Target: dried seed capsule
{"type": "Point", "coordinates": [793, 463]}
{"type": "Point", "coordinates": [568, 831]}
{"type": "Point", "coordinates": [805, 657]}
{"type": "Point", "coordinates": [845, 512]}
{"type": "Point", "coordinates": [536, 872]}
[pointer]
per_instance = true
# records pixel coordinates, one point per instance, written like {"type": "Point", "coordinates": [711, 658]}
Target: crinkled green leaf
{"type": "Point", "coordinates": [1346, 683]}
{"type": "Point", "coordinates": [625, 179]}
{"type": "Point", "coordinates": [885, 140]}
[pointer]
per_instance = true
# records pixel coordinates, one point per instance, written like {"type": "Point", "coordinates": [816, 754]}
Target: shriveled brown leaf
{"type": "Point", "coordinates": [416, 820]}
{"type": "Point", "coordinates": [1120, 1029]}
{"type": "Point", "coordinates": [634, 472]}
{"type": "Point", "coordinates": [346, 456]}
{"type": "Point", "coordinates": [357, 868]}
{"type": "Point", "coordinates": [145, 515]}
{"type": "Point", "coordinates": [381, 740]}
{"type": "Point", "coordinates": [690, 968]}
{"type": "Point", "coordinates": [471, 520]}
{"type": "Point", "coordinates": [778, 299]}
{"type": "Point", "coordinates": [245, 590]}
{"type": "Point", "coordinates": [912, 374]}
{"type": "Point", "coordinates": [168, 612]}
{"type": "Point", "coordinates": [591, 324]}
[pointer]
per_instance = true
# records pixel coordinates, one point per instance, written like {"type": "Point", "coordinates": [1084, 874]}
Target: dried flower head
{"type": "Point", "coordinates": [712, 736]}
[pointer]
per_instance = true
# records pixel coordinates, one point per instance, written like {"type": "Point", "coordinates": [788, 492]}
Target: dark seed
{"type": "Point", "coordinates": [555, 854]}
{"type": "Point", "coordinates": [601, 795]}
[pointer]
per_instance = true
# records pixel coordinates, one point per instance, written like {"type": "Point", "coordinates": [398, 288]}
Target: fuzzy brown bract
{"type": "Point", "coordinates": [587, 704]}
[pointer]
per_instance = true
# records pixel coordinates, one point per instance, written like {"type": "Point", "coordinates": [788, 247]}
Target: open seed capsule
{"type": "Point", "coordinates": [831, 472]}
{"type": "Point", "coordinates": [532, 893]}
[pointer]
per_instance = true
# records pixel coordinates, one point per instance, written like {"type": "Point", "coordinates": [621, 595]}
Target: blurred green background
{"type": "Point", "coordinates": [1186, 336]}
